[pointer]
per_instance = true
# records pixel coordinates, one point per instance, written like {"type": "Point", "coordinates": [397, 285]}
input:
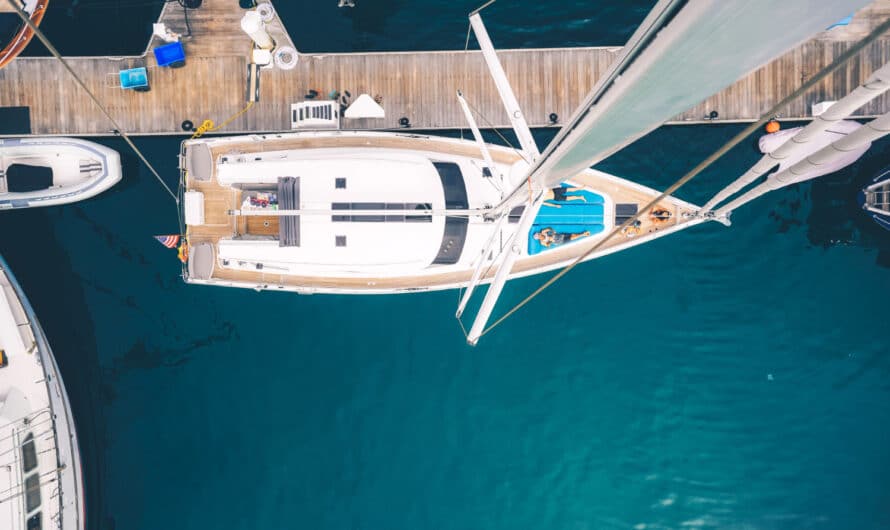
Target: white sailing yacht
{"type": "Point", "coordinates": [40, 471]}
{"type": "Point", "coordinates": [368, 212]}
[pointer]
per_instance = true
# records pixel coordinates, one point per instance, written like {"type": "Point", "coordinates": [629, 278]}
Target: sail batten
{"type": "Point", "coordinates": [676, 60]}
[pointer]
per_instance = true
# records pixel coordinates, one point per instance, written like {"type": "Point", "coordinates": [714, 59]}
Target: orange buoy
{"type": "Point", "coordinates": [183, 252]}
{"type": "Point", "coordinates": [772, 127]}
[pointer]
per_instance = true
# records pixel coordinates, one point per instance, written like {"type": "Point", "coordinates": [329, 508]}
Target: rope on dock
{"type": "Point", "coordinates": [850, 53]}
{"type": "Point", "coordinates": [208, 125]}
{"type": "Point", "coordinates": [117, 127]}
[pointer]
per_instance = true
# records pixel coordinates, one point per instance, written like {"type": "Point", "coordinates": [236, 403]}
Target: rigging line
{"type": "Point", "coordinates": [837, 63]}
{"type": "Point", "coordinates": [40, 484]}
{"type": "Point", "coordinates": [117, 127]}
{"type": "Point", "coordinates": [519, 152]}
{"type": "Point", "coordinates": [37, 436]}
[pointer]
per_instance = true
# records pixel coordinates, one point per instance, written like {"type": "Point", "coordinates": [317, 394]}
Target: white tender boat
{"type": "Point", "coordinates": [40, 471]}
{"type": "Point", "coordinates": [360, 212]}
{"type": "Point", "coordinates": [49, 171]}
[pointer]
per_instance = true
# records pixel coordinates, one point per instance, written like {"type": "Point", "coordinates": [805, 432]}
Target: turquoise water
{"type": "Point", "coordinates": [719, 378]}
{"type": "Point", "coordinates": [732, 378]}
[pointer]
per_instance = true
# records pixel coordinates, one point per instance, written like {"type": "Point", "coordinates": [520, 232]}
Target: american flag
{"type": "Point", "coordinates": [168, 241]}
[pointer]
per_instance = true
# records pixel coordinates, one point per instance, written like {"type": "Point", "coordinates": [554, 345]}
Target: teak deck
{"type": "Point", "coordinates": [418, 85]}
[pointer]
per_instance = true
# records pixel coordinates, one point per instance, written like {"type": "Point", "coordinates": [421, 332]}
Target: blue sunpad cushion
{"type": "Point", "coordinates": [535, 246]}
{"type": "Point", "coordinates": [570, 213]}
{"type": "Point", "coordinates": [572, 217]}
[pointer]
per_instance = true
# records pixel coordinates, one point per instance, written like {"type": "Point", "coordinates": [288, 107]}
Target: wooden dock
{"type": "Point", "coordinates": [418, 85]}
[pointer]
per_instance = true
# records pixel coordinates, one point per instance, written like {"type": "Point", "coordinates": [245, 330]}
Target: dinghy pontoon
{"type": "Point", "coordinates": [50, 171]}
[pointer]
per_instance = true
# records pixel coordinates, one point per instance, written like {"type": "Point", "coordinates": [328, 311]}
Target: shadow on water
{"type": "Point", "coordinates": [45, 273]}
{"type": "Point", "coordinates": [834, 217]}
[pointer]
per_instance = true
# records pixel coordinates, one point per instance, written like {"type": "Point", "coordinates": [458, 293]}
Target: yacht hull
{"type": "Point", "coordinates": [46, 420]}
{"type": "Point", "coordinates": [210, 169]}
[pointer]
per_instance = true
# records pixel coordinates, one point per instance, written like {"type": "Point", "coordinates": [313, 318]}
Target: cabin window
{"type": "Point", "coordinates": [33, 522]}
{"type": "Point", "coordinates": [32, 492]}
{"type": "Point", "coordinates": [340, 183]}
{"type": "Point", "coordinates": [368, 206]}
{"type": "Point", "coordinates": [29, 454]}
{"type": "Point", "coordinates": [426, 218]}
{"type": "Point", "coordinates": [340, 241]}
{"type": "Point", "coordinates": [378, 218]}
{"type": "Point", "coordinates": [455, 227]}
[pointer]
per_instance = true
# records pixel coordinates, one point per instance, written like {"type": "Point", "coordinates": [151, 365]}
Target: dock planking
{"type": "Point", "coordinates": [420, 86]}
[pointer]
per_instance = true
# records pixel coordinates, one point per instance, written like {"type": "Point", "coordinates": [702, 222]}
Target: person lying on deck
{"type": "Point", "coordinates": [548, 237]}
{"type": "Point", "coordinates": [560, 194]}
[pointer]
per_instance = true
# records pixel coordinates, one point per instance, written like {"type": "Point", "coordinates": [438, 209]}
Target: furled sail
{"type": "Point", "coordinates": [682, 53]}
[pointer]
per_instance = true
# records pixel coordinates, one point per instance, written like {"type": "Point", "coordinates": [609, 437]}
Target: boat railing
{"type": "Point", "coordinates": [42, 433]}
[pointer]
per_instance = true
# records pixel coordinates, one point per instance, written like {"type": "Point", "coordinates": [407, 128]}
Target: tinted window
{"type": "Point", "coordinates": [29, 454]}
{"type": "Point", "coordinates": [338, 218]}
{"type": "Point", "coordinates": [34, 522]}
{"type": "Point", "coordinates": [368, 206]}
{"type": "Point", "coordinates": [455, 227]}
{"type": "Point", "coordinates": [32, 492]}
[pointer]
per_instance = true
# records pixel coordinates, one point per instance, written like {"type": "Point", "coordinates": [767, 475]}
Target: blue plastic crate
{"type": "Point", "coordinates": [134, 78]}
{"type": "Point", "coordinates": [171, 55]}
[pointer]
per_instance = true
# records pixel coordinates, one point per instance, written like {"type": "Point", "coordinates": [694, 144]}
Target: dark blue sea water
{"type": "Point", "coordinates": [719, 378]}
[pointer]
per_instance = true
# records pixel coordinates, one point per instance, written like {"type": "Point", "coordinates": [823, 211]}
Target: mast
{"type": "Point", "coordinates": [500, 278]}
{"type": "Point", "coordinates": [684, 51]}
{"type": "Point", "coordinates": [504, 262]}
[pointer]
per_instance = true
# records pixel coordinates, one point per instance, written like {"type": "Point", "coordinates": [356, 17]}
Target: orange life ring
{"type": "Point", "coordinates": [183, 252]}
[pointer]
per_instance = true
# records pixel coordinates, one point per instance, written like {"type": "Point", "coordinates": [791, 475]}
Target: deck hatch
{"type": "Point", "coordinates": [623, 212]}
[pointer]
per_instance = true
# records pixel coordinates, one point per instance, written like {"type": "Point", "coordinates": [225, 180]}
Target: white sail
{"type": "Point", "coordinates": [682, 53]}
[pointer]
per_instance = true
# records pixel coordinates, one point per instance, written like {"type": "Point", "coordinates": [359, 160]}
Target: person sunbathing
{"type": "Point", "coordinates": [560, 194]}
{"type": "Point", "coordinates": [548, 237]}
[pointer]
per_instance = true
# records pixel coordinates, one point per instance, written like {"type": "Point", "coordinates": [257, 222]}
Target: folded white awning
{"type": "Point", "coordinates": [364, 106]}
